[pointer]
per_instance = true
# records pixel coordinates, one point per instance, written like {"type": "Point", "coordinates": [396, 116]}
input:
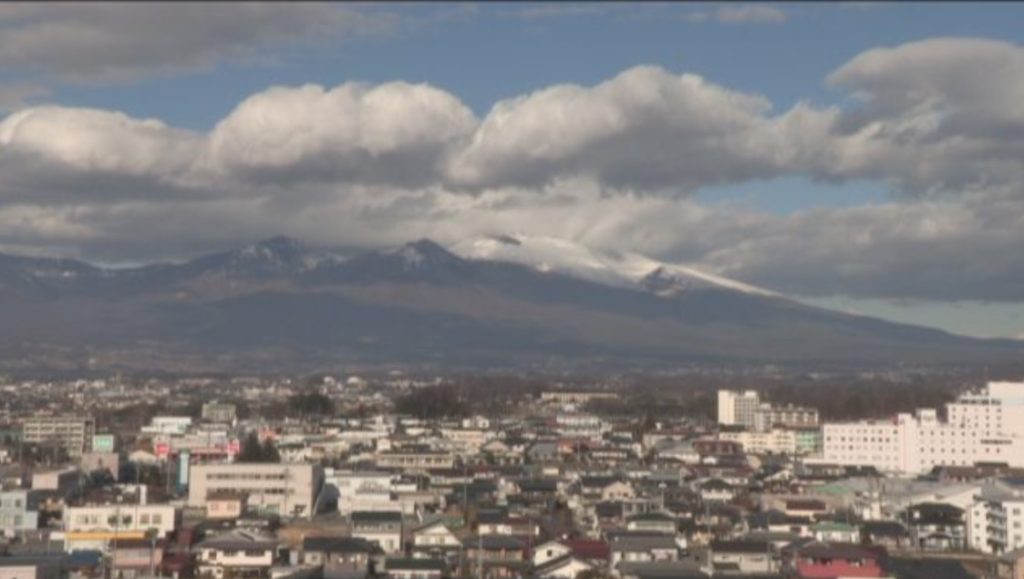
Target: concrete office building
{"type": "Point", "coordinates": [738, 408]}
{"type": "Point", "coordinates": [73, 433]}
{"type": "Point", "coordinates": [282, 489]}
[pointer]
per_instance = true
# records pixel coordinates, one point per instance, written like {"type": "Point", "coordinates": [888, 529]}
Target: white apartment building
{"type": "Point", "coordinates": [91, 527]}
{"type": "Point", "coordinates": [73, 433]}
{"type": "Point", "coordinates": [283, 489]}
{"type": "Point", "coordinates": [982, 426]}
{"type": "Point", "coordinates": [738, 408]}
{"type": "Point", "coordinates": [363, 491]}
{"type": "Point", "coordinates": [995, 521]}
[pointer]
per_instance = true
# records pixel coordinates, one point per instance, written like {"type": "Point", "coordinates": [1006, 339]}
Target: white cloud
{"type": "Point", "coordinates": [91, 42]}
{"type": "Point", "coordinates": [395, 132]}
{"type": "Point", "coordinates": [938, 116]}
{"type": "Point", "coordinates": [608, 165]}
{"type": "Point", "coordinates": [644, 129]}
{"type": "Point", "coordinates": [55, 154]}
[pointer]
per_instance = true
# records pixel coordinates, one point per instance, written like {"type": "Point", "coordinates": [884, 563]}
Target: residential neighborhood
{"type": "Point", "coordinates": [352, 477]}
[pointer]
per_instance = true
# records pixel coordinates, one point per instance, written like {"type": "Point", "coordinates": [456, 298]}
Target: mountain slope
{"type": "Point", "coordinates": [624, 269]}
{"type": "Point", "coordinates": [277, 305]}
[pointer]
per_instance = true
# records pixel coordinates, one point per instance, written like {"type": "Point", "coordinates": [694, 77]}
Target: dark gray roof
{"type": "Point", "coordinates": [505, 542]}
{"type": "Point", "coordinates": [376, 517]}
{"type": "Point", "coordinates": [340, 545]}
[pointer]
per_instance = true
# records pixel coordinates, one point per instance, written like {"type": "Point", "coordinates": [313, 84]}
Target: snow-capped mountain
{"type": "Point", "coordinates": [502, 302]}
{"type": "Point", "coordinates": [620, 269]}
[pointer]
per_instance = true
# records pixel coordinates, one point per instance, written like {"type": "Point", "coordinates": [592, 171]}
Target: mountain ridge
{"type": "Point", "coordinates": [279, 304]}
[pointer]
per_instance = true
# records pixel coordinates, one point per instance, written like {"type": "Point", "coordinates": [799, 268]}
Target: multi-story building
{"type": "Point", "coordinates": [363, 491]}
{"type": "Point", "coordinates": [771, 442]}
{"type": "Point", "coordinates": [768, 417]}
{"type": "Point", "coordinates": [415, 459]}
{"type": "Point", "coordinates": [93, 527]}
{"type": "Point", "coordinates": [995, 521]}
{"type": "Point", "coordinates": [219, 412]}
{"type": "Point", "coordinates": [985, 426]}
{"type": "Point", "coordinates": [738, 408]}
{"type": "Point", "coordinates": [19, 510]}
{"type": "Point", "coordinates": [73, 433]}
{"type": "Point", "coordinates": [283, 489]}
{"type": "Point", "coordinates": [381, 527]}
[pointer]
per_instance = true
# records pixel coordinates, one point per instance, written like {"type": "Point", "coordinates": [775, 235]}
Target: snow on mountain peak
{"type": "Point", "coordinates": [629, 270]}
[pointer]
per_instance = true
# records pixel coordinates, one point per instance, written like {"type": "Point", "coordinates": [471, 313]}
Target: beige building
{"type": "Point", "coordinates": [73, 433]}
{"type": "Point", "coordinates": [283, 489]}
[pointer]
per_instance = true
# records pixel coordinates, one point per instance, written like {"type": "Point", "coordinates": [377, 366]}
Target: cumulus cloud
{"type": "Point", "coordinates": [938, 116]}
{"type": "Point", "coordinates": [395, 132]}
{"type": "Point", "coordinates": [91, 42]}
{"type": "Point", "coordinates": [611, 166]}
{"type": "Point", "coordinates": [57, 154]}
{"type": "Point", "coordinates": [646, 129]}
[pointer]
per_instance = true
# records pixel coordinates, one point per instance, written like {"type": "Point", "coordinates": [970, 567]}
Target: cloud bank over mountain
{"type": "Point", "coordinates": [615, 165]}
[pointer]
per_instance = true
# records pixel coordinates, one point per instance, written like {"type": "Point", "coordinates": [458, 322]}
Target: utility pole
{"type": "Point", "coordinates": [479, 553]}
{"type": "Point", "coordinates": [151, 533]}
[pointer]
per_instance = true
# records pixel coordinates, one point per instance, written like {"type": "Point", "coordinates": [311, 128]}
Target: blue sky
{"type": "Point", "coordinates": [123, 58]}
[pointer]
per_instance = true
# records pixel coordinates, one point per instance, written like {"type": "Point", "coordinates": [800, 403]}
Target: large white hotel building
{"type": "Point", "coordinates": [980, 426]}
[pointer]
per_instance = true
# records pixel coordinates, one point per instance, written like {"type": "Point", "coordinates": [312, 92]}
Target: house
{"type": "Point", "coordinates": [497, 523]}
{"type": "Point", "coordinates": [937, 526]}
{"type": "Point", "coordinates": [742, 556]}
{"type": "Point", "coordinates": [238, 553]}
{"type": "Point", "coordinates": [810, 508]}
{"type": "Point", "coordinates": [593, 553]}
{"type": "Point", "coordinates": [653, 523]}
{"type": "Point", "coordinates": [831, 560]}
{"type": "Point", "coordinates": [888, 534]}
{"type": "Point", "coordinates": [835, 532]}
{"type": "Point", "coordinates": [342, 553]}
{"type": "Point", "coordinates": [434, 540]}
{"type": "Point", "coordinates": [605, 488]}
{"type": "Point", "coordinates": [716, 490]}
{"type": "Point", "coordinates": [499, 555]}
{"type": "Point", "coordinates": [646, 548]}
{"type": "Point", "coordinates": [418, 568]}
{"type": "Point", "coordinates": [538, 490]}
{"type": "Point", "coordinates": [137, 557]}
{"type": "Point", "coordinates": [383, 527]}
{"type": "Point", "coordinates": [666, 570]}
{"type": "Point", "coordinates": [567, 566]}
{"type": "Point", "coordinates": [779, 522]}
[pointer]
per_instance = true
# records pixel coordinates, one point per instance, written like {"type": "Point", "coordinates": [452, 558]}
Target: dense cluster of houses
{"type": "Point", "coordinates": [550, 489]}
